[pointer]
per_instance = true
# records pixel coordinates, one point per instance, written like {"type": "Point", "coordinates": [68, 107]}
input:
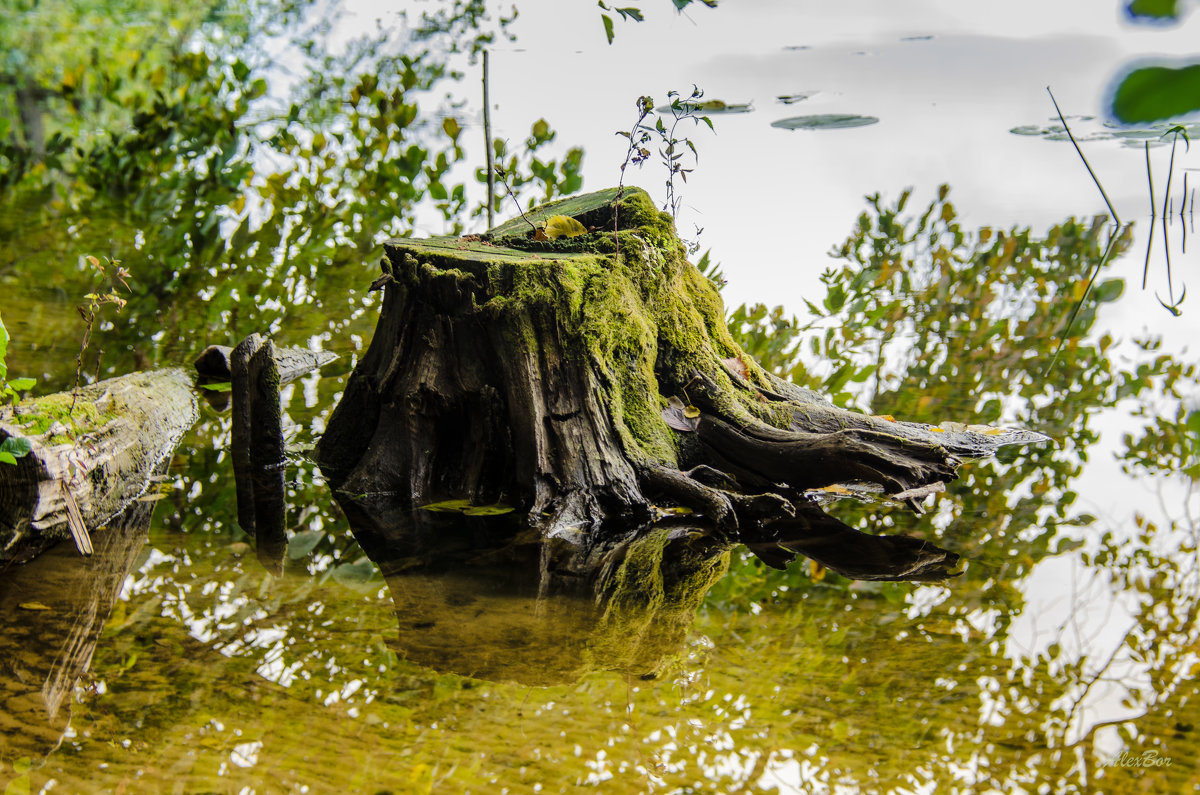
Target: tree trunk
{"type": "Point", "coordinates": [585, 379]}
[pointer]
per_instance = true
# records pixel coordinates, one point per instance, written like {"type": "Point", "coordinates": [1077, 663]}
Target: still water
{"type": "Point", "coordinates": [1061, 661]}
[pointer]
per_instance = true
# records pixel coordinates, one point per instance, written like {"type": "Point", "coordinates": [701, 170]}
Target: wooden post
{"type": "Point", "coordinates": [241, 389]}
{"type": "Point", "coordinates": [487, 145]}
{"type": "Point", "coordinates": [266, 459]}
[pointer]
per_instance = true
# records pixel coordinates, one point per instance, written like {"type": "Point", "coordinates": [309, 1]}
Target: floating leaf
{"type": "Point", "coordinates": [713, 106]}
{"type": "Point", "coordinates": [563, 226]}
{"type": "Point", "coordinates": [303, 543]}
{"type": "Point", "coordinates": [495, 509]}
{"type": "Point", "coordinates": [448, 506]}
{"type": "Point", "coordinates": [1156, 92]}
{"type": "Point", "coordinates": [825, 121]}
{"type": "Point", "coordinates": [799, 96]}
{"type": "Point", "coordinates": [358, 573]}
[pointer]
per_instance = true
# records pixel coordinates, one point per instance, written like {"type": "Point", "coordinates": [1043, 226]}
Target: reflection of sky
{"type": "Point", "coordinates": [772, 202]}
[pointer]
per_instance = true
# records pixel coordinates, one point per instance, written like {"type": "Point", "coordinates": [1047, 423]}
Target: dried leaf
{"type": "Point", "coordinates": [34, 606]}
{"type": "Point", "coordinates": [736, 366]}
{"type": "Point", "coordinates": [675, 415]}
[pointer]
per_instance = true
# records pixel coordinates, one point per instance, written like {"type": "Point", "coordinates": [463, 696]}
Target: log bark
{"type": "Point", "coordinates": [101, 456]}
{"type": "Point", "coordinates": [586, 380]}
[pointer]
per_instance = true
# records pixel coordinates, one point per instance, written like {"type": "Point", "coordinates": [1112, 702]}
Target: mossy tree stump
{"type": "Point", "coordinates": [563, 377]}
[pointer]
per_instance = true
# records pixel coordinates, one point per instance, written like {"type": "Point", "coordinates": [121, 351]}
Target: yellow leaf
{"type": "Point", "coordinates": [887, 417]}
{"type": "Point", "coordinates": [691, 412]}
{"type": "Point", "coordinates": [448, 506]}
{"type": "Point", "coordinates": [563, 226]}
{"type": "Point", "coordinates": [495, 509]}
{"type": "Point", "coordinates": [34, 606]}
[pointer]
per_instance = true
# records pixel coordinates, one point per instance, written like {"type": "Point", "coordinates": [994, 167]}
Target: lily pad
{"type": "Point", "coordinates": [467, 509]}
{"type": "Point", "coordinates": [1089, 128]}
{"type": "Point", "coordinates": [799, 96]}
{"type": "Point", "coordinates": [710, 107]}
{"type": "Point", "coordinates": [825, 121]}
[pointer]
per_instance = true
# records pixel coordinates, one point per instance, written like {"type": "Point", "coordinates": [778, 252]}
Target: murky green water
{"type": "Point", "coordinates": [1064, 659]}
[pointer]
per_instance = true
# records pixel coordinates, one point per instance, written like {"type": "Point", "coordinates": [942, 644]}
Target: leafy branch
{"type": "Point", "coordinates": [113, 274]}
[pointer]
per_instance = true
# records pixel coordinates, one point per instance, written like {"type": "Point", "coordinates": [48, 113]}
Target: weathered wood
{"type": "Point", "coordinates": [103, 453]}
{"type": "Point", "coordinates": [242, 391]}
{"type": "Point", "coordinates": [584, 386]}
{"type": "Point", "coordinates": [214, 362]}
{"type": "Point", "coordinates": [266, 459]}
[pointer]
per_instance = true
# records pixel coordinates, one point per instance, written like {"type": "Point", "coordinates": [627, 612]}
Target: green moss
{"type": "Point", "coordinates": [38, 416]}
{"type": "Point", "coordinates": [651, 602]}
{"type": "Point", "coordinates": [616, 303]}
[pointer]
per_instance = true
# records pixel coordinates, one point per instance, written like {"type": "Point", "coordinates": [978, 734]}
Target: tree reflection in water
{"type": "Point", "coordinates": [798, 679]}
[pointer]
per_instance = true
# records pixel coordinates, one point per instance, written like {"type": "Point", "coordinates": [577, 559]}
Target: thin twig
{"type": "Point", "coordinates": [1153, 213]}
{"type": "Point", "coordinates": [1112, 244]}
{"type": "Point", "coordinates": [1095, 179]}
{"type": "Point", "coordinates": [1166, 241]}
{"type": "Point", "coordinates": [511, 195]}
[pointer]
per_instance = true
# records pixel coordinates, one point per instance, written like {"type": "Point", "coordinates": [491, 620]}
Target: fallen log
{"type": "Point", "coordinates": [96, 458]}
{"type": "Point", "coordinates": [586, 379]}
{"type": "Point", "coordinates": [92, 454]}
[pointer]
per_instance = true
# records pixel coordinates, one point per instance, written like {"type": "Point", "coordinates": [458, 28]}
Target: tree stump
{"type": "Point", "coordinates": [587, 379]}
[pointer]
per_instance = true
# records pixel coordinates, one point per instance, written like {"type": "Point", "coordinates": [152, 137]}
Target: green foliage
{"type": "Point", "coordinates": [10, 389]}
{"type": "Point", "coordinates": [1155, 10]}
{"type": "Point", "coordinates": [530, 178]}
{"type": "Point", "coordinates": [670, 148]}
{"type": "Point", "coordinates": [215, 190]}
{"type": "Point", "coordinates": [113, 274]}
{"type": "Point", "coordinates": [926, 321]}
{"type": "Point", "coordinates": [12, 447]}
{"type": "Point", "coordinates": [636, 15]}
